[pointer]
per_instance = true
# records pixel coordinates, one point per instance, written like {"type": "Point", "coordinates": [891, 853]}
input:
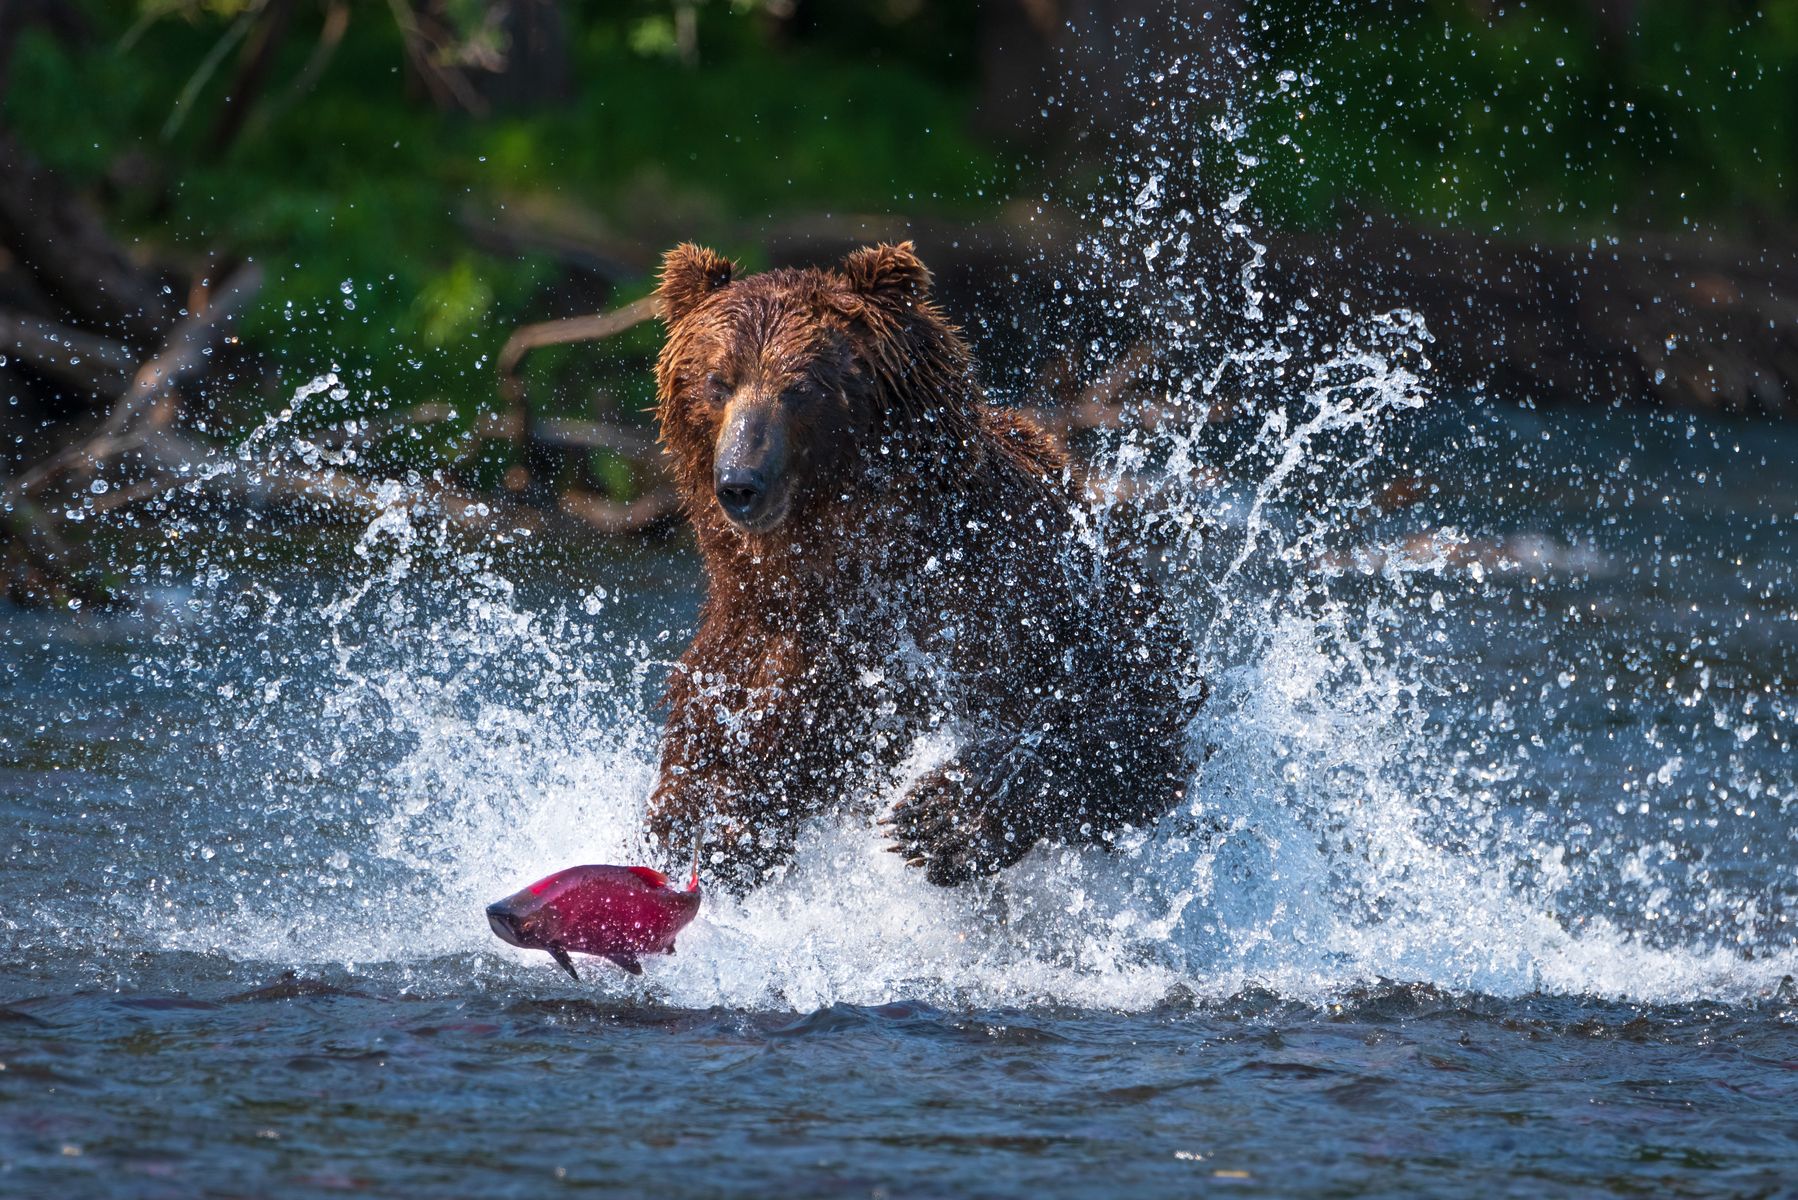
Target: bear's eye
{"type": "Point", "coordinates": [716, 382]}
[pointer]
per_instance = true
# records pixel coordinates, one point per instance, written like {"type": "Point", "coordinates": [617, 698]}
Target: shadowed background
{"type": "Point", "coordinates": [205, 204]}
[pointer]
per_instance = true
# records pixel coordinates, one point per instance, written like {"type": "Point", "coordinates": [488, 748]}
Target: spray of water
{"type": "Point", "coordinates": [403, 747]}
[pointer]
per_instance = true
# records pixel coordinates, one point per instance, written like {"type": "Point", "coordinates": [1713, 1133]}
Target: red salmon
{"type": "Point", "coordinates": [613, 912]}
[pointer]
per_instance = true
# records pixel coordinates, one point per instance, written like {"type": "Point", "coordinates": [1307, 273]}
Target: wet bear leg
{"type": "Point", "coordinates": [985, 808]}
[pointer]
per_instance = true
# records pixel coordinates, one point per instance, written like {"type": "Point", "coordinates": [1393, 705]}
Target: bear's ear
{"type": "Point", "coordinates": [689, 274]}
{"type": "Point", "coordinates": [892, 274]}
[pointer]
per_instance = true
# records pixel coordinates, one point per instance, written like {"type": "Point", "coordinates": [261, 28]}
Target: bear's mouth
{"type": "Point", "coordinates": [765, 514]}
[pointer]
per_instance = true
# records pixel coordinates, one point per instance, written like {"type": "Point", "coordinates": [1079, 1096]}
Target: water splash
{"type": "Point", "coordinates": [404, 747]}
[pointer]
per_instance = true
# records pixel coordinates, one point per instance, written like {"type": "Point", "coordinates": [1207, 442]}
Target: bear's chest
{"type": "Point", "coordinates": [953, 637]}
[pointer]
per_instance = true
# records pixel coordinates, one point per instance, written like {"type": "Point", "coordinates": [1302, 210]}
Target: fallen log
{"type": "Point", "coordinates": [183, 355]}
{"type": "Point", "coordinates": [653, 510]}
{"type": "Point", "coordinates": [586, 328]}
{"type": "Point", "coordinates": [42, 566]}
{"type": "Point", "coordinates": [575, 434]}
{"type": "Point", "coordinates": [1689, 323]}
{"type": "Point", "coordinates": [547, 438]}
{"type": "Point", "coordinates": [90, 362]}
{"type": "Point", "coordinates": [284, 485]}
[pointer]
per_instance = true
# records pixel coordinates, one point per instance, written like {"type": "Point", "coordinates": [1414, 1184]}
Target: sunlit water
{"type": "Point", "coordinates": [1492, 863]}
{"type": "Point", "coordinates": [1486, 884]}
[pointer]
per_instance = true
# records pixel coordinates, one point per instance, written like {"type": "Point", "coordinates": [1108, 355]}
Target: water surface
{"type": "Point", "coordinates": [1487, 887]}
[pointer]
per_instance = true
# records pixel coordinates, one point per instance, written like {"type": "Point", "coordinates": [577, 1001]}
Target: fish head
{"type": "Point", "coordinates": [534, 918]}
{"type": "Point", "coordinates": [520, 924]}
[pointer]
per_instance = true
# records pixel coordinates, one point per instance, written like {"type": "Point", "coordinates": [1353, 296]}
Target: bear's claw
{"type": "Point", "coordinates": [952, 831]}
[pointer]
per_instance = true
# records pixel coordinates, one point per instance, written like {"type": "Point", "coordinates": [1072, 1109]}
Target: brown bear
{"type": "Point", "coordinates": [887, 555]}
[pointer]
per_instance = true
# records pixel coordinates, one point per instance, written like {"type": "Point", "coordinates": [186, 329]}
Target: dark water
{"type": "Point", "coordinates": [1489, 888]}
{"type": "Point", "coordinates": [303, 1087]}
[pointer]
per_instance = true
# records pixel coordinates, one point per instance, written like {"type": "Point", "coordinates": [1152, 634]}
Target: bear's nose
{"type": "Point", "coordinates": [740, 490]}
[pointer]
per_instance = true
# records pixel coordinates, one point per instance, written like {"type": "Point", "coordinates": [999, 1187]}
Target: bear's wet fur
{"type": "Point", "coordinates": [888, 556]}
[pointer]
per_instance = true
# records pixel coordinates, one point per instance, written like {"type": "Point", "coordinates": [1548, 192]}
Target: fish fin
{"type": "Point", "coordinates": [563, 961]}
{"type": "Point", "coordinates": [628, 962]}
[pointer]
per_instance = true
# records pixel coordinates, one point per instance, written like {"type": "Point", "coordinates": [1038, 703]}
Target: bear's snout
{"type": "Point", "coordinates": [749, 468]}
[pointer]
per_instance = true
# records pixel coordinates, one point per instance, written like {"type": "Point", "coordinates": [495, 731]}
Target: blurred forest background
{"type": "Point", "coordinates": [446, 211]}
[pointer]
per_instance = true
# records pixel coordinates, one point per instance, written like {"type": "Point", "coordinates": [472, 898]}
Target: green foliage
{"type": "Point", "coordinates": [614, 474]}
{"type": "Point", "coordinates": [359, 197]}
{"type": "Point", "coordinates": [654, 35]}
{"type": "Point", "coordinates": [1531, 117]}
{"type": "Point", "coordinates": [694, 119]}
{"type": "Point", "coordinates": [453, 304]}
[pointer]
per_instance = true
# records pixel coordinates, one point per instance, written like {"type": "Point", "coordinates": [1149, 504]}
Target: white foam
{"type": "Point", "coordinates": [1303, 866]}
{"type": "Point", "coordinates": [1336, 837]}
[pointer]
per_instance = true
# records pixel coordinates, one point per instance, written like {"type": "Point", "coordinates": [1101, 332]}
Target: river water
{"type": "Point", "coordinates": [1487, 886]}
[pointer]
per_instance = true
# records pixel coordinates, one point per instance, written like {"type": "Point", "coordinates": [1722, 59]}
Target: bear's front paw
{"type": "Point", "coordinates": [955, 829]}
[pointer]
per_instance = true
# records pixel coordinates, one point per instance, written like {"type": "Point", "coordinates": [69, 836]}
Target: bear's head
{"type": "Point", "coordinates": [781, 392]}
